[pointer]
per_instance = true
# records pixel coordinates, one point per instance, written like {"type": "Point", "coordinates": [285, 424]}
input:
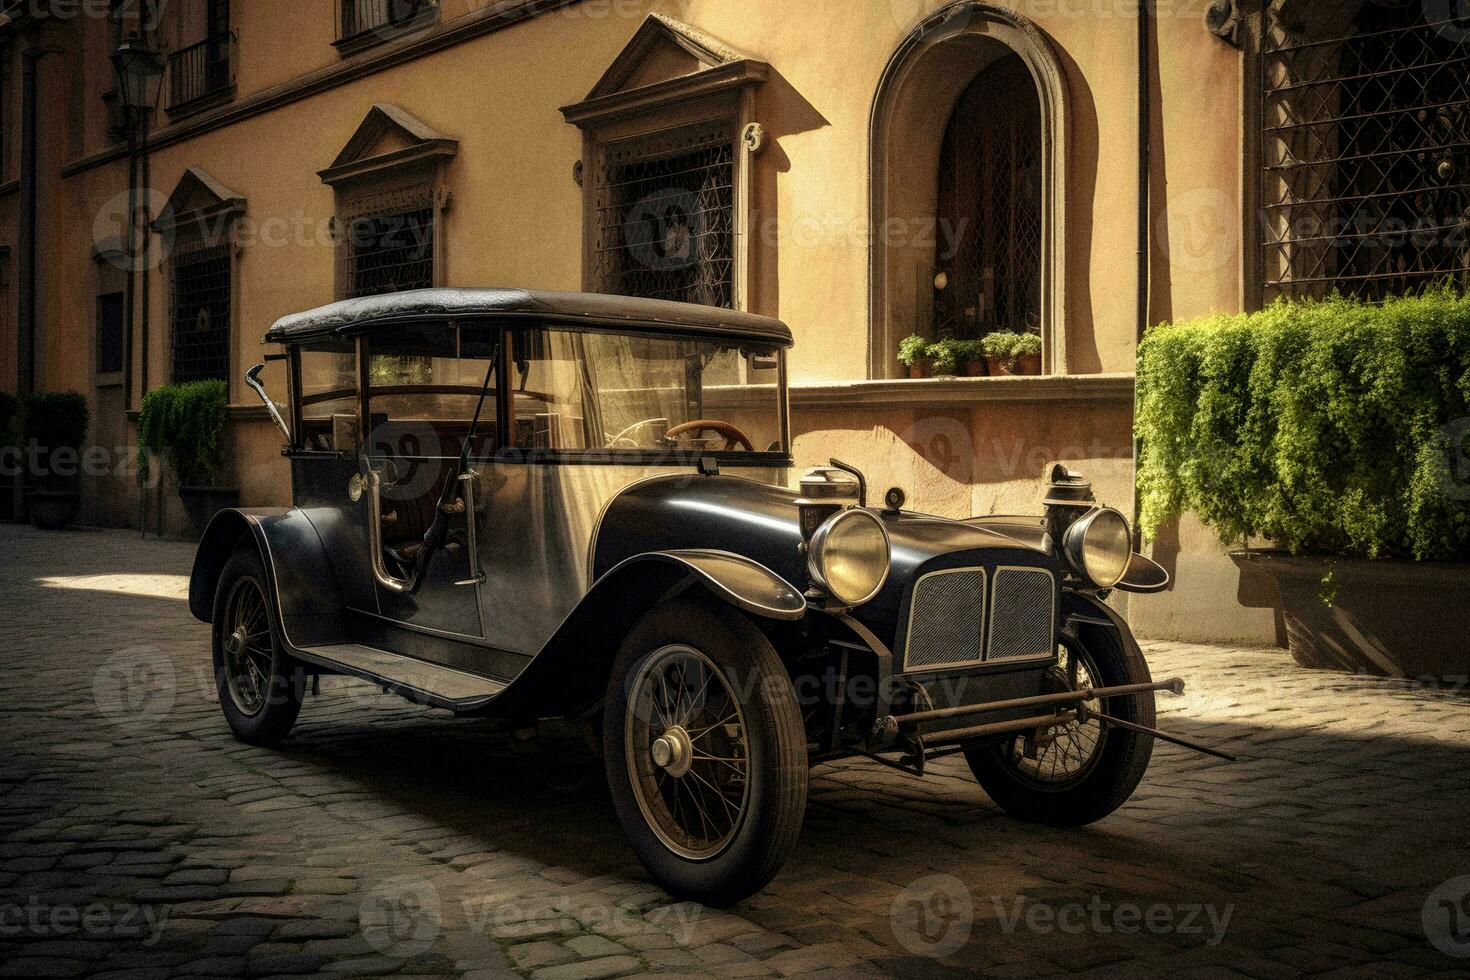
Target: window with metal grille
{"type": "Point", "coordinates": [988, 237]}
{"type": "Point", "coordinates": [111, 314]}
{"type": "Point", "coordinates": [391, 252]}
{"type": "Point", "coordinates": [665, 212]}
{"type": "Point", "coordinates": [363, 16]}
{"type": "Point", "coordinates": [200, 318]}
{"type": "Point", "coordinates": [1366, 176]}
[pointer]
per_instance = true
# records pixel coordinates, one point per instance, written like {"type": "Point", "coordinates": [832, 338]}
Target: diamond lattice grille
{"type": "Point", "coordinates": [1366, 177]}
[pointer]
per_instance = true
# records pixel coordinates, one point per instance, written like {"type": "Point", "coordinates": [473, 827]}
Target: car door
{"type": "Point", "coordinates": [424, 387]}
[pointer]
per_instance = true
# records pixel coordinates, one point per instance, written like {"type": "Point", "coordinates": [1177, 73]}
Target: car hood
{"type": "Point", "coordinates": [761, 522]}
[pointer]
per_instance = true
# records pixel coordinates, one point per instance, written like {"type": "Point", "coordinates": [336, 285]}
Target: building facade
{"type": "Point", "coordinates": [863, 169]}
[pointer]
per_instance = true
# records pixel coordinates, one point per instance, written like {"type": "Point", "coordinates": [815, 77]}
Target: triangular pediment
{"type": "Point", "coordinates": [197, 190]}
{"type": "Point", "coordinates": [662, 50]}
{"type": "Point", "coordinates": [388, 130]}
{"type": "Point", "coordinates": [197, 197]}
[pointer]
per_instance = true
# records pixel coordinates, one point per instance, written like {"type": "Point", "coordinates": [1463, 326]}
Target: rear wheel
{"type": "Point", "coordinates": [260, 688]}
{"type": "Point", "coordinates": [706, 751]}
{"type": "Point", "coordinates": [1084, 770]}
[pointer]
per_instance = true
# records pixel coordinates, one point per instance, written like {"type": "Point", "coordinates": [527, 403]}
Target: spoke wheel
{"type": "Point", "coordinates": [1077, 772]}
{"type": "Point", "coordinates": [250, 655]}
{"type": "Point", "coordinates": [687, 752]}
{"type": "Point", "coordinates": [1067, 753]}
{"type": "Point", "coordinates": [260, 687]}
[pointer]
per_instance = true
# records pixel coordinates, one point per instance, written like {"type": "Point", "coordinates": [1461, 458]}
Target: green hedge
{"type": "Point", "coordinates": [56, 419]}
{"type": "Point", "coordinates": [188, 420]}
{"type": "Point", "coordinates": [1327, 427]}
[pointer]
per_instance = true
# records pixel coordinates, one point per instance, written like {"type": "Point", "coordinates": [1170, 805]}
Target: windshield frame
{"type": "Point", "coordinates": [503, 392]}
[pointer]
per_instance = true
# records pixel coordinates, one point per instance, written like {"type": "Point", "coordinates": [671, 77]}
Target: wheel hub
{"type": "Point", "coordinates": [674, 751]}
{"type": "Point", "coordinates": [236, 641]}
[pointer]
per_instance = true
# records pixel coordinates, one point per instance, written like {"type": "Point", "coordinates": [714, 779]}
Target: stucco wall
{"type": "Point", "coordinates": [516, 218]}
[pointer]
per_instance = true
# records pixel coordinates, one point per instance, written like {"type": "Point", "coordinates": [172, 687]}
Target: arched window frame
{"type": "Point", "coordinates": [1023, 38]}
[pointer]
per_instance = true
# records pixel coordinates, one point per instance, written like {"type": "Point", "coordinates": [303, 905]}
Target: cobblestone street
{"type": "Point", "coordinates": [138, 839]}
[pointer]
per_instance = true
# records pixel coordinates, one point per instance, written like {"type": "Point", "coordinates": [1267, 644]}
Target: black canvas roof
{"type": "Point", "coordinates": [584, 310]}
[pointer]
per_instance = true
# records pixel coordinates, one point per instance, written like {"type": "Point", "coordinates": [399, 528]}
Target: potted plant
{"type": "Point", "coordinates": [1027, 352]}
{"type": "Point", "coordinates": [54, 428]}
{"type": "Point", "coordinates": [942, 353]}
{"type": "Point", "coordinates": [913, 353]}
{"type": "Point", "coordinates": [970, 357]}
{"type": "Point", "coordinates": [187, 422]}
{"type": "Point", "coordinates": [1336, 431]}
{"type": "Point", "coordinates": [999, 350]}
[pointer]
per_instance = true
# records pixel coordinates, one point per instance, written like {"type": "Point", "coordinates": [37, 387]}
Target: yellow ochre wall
{"type": "Point", "coordinates": [516, 215]}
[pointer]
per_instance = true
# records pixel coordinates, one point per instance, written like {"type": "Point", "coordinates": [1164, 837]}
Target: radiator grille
{"type": "Point", "coordinates": [1022, 614]}
{"type": "Point", "coordinates": [946, 619]}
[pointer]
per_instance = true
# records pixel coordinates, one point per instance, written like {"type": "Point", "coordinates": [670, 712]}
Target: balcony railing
{"type": "Point", "coordinates": [201, 70]}
{"type": "Point", "coordinates": [364, 17]}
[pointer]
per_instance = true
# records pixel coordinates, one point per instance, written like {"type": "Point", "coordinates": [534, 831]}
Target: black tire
{"type": "Point", "coordinates": [764, 829]}
{"type": "Point", "coordinates": [1115, 767]}
{"type": "Point", "coordinates": [280, 696]}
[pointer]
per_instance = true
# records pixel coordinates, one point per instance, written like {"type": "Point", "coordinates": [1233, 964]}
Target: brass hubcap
{"type": "Point", "coordinates": [674, 752]}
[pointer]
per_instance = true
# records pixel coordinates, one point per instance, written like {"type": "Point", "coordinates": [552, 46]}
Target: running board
{"type": "Point", "coordinates": [417, 680]}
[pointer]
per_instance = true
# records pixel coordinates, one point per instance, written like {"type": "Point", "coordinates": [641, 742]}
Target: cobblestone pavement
{"type": "Point", "coordinates": [137, 839]}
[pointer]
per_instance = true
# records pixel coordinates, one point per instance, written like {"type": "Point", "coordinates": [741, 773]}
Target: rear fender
{"type": "Point", "coordinates": [571, 670]}
{"type": "Point", "coordinates": [308, 601]}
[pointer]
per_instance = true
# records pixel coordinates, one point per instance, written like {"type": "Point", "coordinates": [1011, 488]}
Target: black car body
{"type": "Point", "coordinates": [577, 514]}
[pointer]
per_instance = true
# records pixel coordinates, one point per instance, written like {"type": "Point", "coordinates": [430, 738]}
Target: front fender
{"type": "Point", "coordinates": [571, 670]}
{"type": "Point", "coordinates": [308, 601]}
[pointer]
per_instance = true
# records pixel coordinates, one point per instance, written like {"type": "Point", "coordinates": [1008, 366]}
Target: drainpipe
{"type": "Point", "coordinates": [1145, 110]}
{"type": "Point", "coordinates": [25, 344]}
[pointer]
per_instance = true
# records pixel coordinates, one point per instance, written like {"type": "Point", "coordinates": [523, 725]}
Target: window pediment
{"type": "Point", "coordinates": [389, 139]}
{"type": "Point", "coordinates": [665, 63]}
{"type": "Point", "coordinates": [199, 202]}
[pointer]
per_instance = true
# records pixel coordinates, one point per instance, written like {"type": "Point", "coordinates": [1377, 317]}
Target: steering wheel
{"type": "Point", "coordinates": [733, 435]}
{"type": "Point", "coordinates": [625, 440]}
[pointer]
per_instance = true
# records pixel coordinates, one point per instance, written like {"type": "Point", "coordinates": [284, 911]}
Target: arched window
{"type": "Point", "coordinates": [988, 251]}
{"type": "Point", "coordinates": [967, 196]}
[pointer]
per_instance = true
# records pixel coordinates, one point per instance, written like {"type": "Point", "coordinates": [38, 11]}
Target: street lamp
{"type": "Point", "coordinates": [138, 71]}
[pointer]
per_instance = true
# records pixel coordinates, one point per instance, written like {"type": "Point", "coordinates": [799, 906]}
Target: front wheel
{"type": "Point", "coordinates": [260, 687]}
{"type": "Point", "coordinates": [1084, 770]}
{"type": "Point", "coordinates": [706, 751]}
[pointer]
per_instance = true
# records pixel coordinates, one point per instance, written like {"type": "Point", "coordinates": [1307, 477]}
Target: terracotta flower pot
{"type": "Point", "coordinates": [920, 369]}
{"type": "Point", "coordinates": [974, 369]}
{"type": "Point", "coordinates": [997, 366]}
{"type": "Point", "coordinates": [1028, 364]}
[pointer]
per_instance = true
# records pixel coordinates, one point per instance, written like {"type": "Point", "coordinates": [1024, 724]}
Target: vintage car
{"type": "Point", "coordinates": [577, 515]}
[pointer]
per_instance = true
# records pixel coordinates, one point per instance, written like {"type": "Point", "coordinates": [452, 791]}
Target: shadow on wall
{"type": "Point", "coordinates": [784, 112]}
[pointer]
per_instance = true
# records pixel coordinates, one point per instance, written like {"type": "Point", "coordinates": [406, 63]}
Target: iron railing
{"type": "Point", "coordinates": [201, 70]}
{"type": "Point", "coordinates": [665, 213]}
{"type": "Point", "coordinates": [360, 17]}
{"type": "Point", "coordinates": [1366, 145]}
{"type": "Point", "coordinates": [200, 314]}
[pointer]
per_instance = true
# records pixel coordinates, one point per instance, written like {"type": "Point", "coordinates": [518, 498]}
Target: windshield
{"type": "Point", "coordinates": [605, 391]}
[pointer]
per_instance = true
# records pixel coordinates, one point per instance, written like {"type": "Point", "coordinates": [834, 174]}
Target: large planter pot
{"type": "Point", "coordinates": [974, 369]}
{"type": "Point", "coordinates": [1028, 364]}
{"type": "Point", "coordinates": [1390, 618]}
{"type": "Point", "coordinates": [920, 369]}
{"type": "Point", "coordinates": [997, 367]}
{"type": "Point", "coordinates": [52, 510]}
{"type": "Point", "coordinates": [202, 503]}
